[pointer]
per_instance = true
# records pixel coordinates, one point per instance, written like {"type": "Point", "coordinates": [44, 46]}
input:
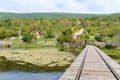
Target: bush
{"type": "Point", "coordinates": [110, 35]}
{"type": "Point", "coordinates": [65, 37]}
{"type": "Point", "coordinates": [108, 46]}
{"type": "Point", "coordinates": [27, 37]}
{"type": "Point", "coordinates": [98, 38]}
{"type": "Point", "coordinates": [61, 48]}
{"type": "Point", "coordinates": [50, 34]}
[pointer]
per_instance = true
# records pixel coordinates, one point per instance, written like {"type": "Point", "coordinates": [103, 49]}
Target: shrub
{"type": "Point", "coordinates": [65, 37]}
{"type": "Point", "coordinates": [98, 38]}
{"type": "Point", "coordinates": [110, 35]}
{"type": "Point", "coordinates": [27, 37]}
{"type": "Point", "coordinates": [108, 46]}
{"type": "Point", "coordinates": [61, 48]}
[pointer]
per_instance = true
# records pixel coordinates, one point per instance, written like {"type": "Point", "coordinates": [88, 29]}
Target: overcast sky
{"type": "Point", "coordinates": [69, 6]}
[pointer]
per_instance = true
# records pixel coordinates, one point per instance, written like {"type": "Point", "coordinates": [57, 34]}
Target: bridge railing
{"type": "Point", "coordinates": [112, 65]}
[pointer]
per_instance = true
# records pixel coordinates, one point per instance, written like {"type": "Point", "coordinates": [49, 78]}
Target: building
{"type": "Point", "coordinates": [36, 32]}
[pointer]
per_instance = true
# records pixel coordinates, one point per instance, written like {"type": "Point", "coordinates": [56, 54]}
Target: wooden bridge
{"type": "Point", "coordinates": [92, 64]}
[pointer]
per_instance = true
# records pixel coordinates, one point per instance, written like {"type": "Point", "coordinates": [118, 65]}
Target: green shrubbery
{"type": "Point", "coordinates": [98, 38]}
{"type": "Point", "coordinates": [49, 34]}
{"type": "Point", "coordinates": [66, 36]}
{"type": "Point", "coordinates": [109, 46]}
{"type": "Point", "coordinates": [113, 53]}
{"type": "Point", "coordinates": [28, 38]}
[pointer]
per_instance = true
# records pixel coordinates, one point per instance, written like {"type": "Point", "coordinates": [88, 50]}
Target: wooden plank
{"type": "Point", "coordinates": [71, 72]}
{"type": "Point", "coordinates": [95, 68]}
{"type": "Point", "coordinates": [115, 67]}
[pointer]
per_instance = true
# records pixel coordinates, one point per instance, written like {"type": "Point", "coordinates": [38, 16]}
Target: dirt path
{"type": "Point", "coordinates": [78, 33]}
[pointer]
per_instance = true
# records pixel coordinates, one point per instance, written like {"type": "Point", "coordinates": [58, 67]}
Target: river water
{"type": "Point", "coordinates": [19, 75]}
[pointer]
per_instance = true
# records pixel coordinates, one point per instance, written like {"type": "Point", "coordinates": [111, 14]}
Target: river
{"type": "Point", "coordinates": [20, 75]}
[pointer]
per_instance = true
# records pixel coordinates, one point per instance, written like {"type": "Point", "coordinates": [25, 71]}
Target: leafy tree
{"type": "Point", "coordinates": [2, 33]}
{"type": "Point", "coordinates": [98, 38]}
{"type": "Point", "coordinates": [84, 37]}
{"type": "Point", "coordinates": [50, 34]}
{"type": "Point", "coordinates": [66, 36]}
{"type": "Point", "coordinates": [28, 38]}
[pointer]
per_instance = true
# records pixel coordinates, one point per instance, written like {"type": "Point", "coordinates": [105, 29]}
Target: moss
{"type": "Point", "coordinates": [6, 65]}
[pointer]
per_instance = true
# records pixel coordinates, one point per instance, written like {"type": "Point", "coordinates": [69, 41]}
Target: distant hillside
{"type": "Point", "coordinates": [45, 15]}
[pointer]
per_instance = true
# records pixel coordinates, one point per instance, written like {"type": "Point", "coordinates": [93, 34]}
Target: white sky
{"type": "Point", "coordinates": [70, 6]}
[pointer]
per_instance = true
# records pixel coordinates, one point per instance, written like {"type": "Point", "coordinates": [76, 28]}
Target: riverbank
{"type": "Point", "coordinates": [113, 53]}
{"type": "Point", "coordinates": [46, 59]}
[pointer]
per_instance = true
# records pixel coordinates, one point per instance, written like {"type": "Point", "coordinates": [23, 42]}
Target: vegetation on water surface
{"type": "Point", "coordinates": [46, 59]}
{"type": "Point", "coordinates": [7, 65]}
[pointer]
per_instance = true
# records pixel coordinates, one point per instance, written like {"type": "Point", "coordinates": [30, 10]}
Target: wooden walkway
{"type": "Point", "coordinates": [92, 64]}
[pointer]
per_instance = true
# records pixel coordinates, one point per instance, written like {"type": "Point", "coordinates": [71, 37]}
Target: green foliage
{"type": "Point", "coordinates": [62, 48]}
{"type": "Point", "coordinates": [49, 34]}
{"type": "Point", "coordinates": [110, 35]}
{"type": "Point", "coordinates": [84, 37]}
{"type": "Point", "coordinates": [2, 35]}
{"type": "Point", "coordinates": [113, 53]}
{"type": "Point", "coordinates": [98, 38]}
{"type": "Point", "coordinates": [65, 37]}
{"type": "Point", "coordinates": [109, 46]}
{"type": "Point", "coordinates": [44, 15]}
{"type": "Point", "coordinates": [78, 27]}
{"type": "Point", "coordinates": [28, 38]}
{"type": "Point", "coordinates": [49, 28]}
{"type": "Point", "coordinates": [76, 50]}
{"type": "Point", "coordinates": [52, 25]}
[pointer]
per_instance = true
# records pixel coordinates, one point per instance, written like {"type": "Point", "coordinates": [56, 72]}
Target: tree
{"type": "Point", "coordinates": [98, 38]}
{"type": "Point", "coordinates": [84, 37]}
{"type": "Point", "coordinates": [28, 38]}
{"type": "Point", "coordinates": [2, 33]}
{"type": "Point", "coordinates": [50, 34]}
{"type": "Point", "coordinates": [66, 36]}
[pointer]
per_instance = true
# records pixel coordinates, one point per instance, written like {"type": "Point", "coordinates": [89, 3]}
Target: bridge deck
{"type": "Point", "coordinates": [92, 64]}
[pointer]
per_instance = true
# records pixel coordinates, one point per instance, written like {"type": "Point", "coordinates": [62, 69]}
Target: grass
{"type": "Point", "coordinates": [41, 43]}
{"type": "Point", "coordinates": [24, 45]}
{"type": "Point", "coordinates": [46, 59]}
{"type": "Point", "coordinates": [113, 39]}
{"type": "Point", "coordinates": [92, 38]}
{"type": "Point", "coordinates": [75, 51]}
{"type": "Point", "coordinates": [43, 53]}
{"type": "Point", "coordinates": [45, 56]}
{"type": "Point", "coordinates": [8, 65]}
{"type": "Point", "coordinates": [113, 53]}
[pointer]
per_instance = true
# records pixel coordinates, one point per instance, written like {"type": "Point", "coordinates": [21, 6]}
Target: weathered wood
{"type": "Point", "coordinates": [115, 67]}
{"type": "Point", "coordinates": [94, 68]}
{"type": "Point", "coordinates": [72, 71]}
